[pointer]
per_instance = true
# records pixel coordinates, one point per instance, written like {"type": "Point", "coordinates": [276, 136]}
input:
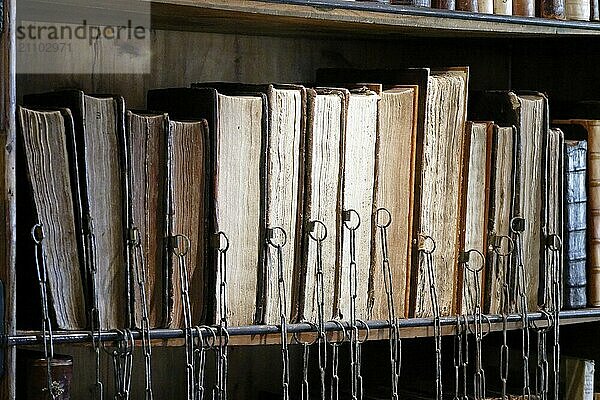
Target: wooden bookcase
{"type": "Point", "coordinates": [286, 41]}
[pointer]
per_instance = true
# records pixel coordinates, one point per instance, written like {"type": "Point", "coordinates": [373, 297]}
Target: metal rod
{"type": "Point", "coordinates": [35, 338]}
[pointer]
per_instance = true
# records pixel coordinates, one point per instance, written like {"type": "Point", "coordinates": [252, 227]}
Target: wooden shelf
{"type": "Point", "coordinates": [270, 334]}
{"type": "Point", "coordinates": [352, 18]}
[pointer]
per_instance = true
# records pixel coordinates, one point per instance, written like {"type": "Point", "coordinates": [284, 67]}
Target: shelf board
{"type": "Point", "coordinates": [350, 18]}
{"type": "Point", "coordinates": [270, 334]}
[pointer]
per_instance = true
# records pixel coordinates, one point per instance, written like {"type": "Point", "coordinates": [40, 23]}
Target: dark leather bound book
{"type": "Point", "coordinates": [414, 3]}
{"type": "Point", "coordinates": [575, 280]}
{"type": "Point", "coordinates": [594, 10]}
{"type": "Point", "coordinates": [147, 152]}
{"type": "Point", "coordinates": [234, 194]}
{"type": "Point", "coordinates": [467, 5]}
{"type": "Point", "coordinates": [99, 123]}
{"type": "Point", "coordinates": [524, 8]}
{"type": "Point", "coordinates": [553, 9]}
{"type": "Point", "coordinates": [48, 191]}
{"type": "Point", "coordinates": [528, 112]}
{"type": "Point", "coordinates": [284, 188]}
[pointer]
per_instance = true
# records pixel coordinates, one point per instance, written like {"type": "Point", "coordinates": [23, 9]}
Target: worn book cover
{"type": "Point", "coordinates": [528, 112]}
{"type": "Point", "coordinates": [48, 190]}
{"type": "Point", "coordinates": [99, 124]}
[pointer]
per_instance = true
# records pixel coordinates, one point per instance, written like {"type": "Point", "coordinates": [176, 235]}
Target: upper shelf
{"type": "Point", "coordinates": [350, 18]}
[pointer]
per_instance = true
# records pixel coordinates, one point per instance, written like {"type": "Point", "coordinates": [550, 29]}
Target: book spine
{"type": "Point", "coordinates": [524, 8]}
{"type": "Point", "coordinates": [552, 9]}
{"type": "Point", "coordinates": [594, 215]}
{"type": "Point", "coordinates": [577, 10]}
{"type": "Point", "coordinates": [414, 3]}
{"type": "Point", "coordinates": [503, 7]}
{"type": "Point", "coordinates": [485, 6]}
{"type": "Point", "coordinates": [575, 225]}
{"type": "Point", "coordinates": [468, 5]}
{"type": "Point", "coordinates": [594, 10]}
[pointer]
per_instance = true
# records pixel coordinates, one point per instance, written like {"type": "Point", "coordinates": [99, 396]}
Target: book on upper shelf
{"type": "Point", "coordinates": [100, 143]}
{"type": "Point", "coordinates": [49, 196]}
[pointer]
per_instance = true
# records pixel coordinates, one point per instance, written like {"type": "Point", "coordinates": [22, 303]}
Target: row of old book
{"type": "Point", "coordinates": [129, 200]}
{"type": "Point", "coordinates": [580, 10]}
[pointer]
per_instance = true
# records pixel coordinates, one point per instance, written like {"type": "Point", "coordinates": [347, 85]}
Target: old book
{"type": "Point", "coordinates": [477, 158]}
{"type": "Point", "coordinates": [524, 8]}
{"type": "Point", "coordinates": [414, 3]}
{"type": "Point", "coordinates": [234, 192]}
{"type": "Point", "coordinates": [503, 7]}
{"type": "Point", "coordinates": [485, 6]}
{"type": "Point", "coordinates": [187, 213]}
{"type": "Point", "coordinates": [551, 269]}
{"type": "Point", "coordinates": [99, 123]}
{"type": "Point", "coordinates": [49, 195]}
{"type": "Point", "coordinates": [357, 195]}
{"type": "Point", "coordinates": [284, 187]}
{"type": "Point", "coordinates": [574, 236]}
{"type": "Point", "coordinates": [394, 180]}
{"type": "Point", "coordinates": [148, 189]}
{"type": "Point", "coordinates": [440, 184]}
{"type": "Point", "coordinates": [501, 199]}
{"type": "Point", "coordinates": [527, 111]}
{"type": "Point", "coordinates": [326, 123]}
{"type": "Point", "coordinates": [444, 4]}
{"type": "Point", "coordinates": [554, 9]}
{"type": "Point", "coordinates": [577, 10]}
{"type": "Point", "coordinates": [577, 378]}
{"type": "Point", "coordinates": [469, 5]}
{"type": "Point", "coordinates": [590, 129]}
{"type": "Point", "coordinates": [436, 131]}
{"type": "Point", "coordinates": [594, 10]}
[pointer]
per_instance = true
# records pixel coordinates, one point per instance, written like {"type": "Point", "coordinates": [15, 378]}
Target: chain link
{"type": "Point", "coordinates": [96, 329]}
{"type": "Point", "coordinates": [554, 248]}
{"type": "Point", "coordinates": [335, 346]}
{"type": "Point", "coordinates": [37, 233]}
{"type": "Point", "coordinates": [517, 227]}
{"type": "Point", "coordinates": [282, 298]}
{"type": "Point", "coordinates": [318, 233]}
{"type": "Point", "coordinates": [384, 220]}
{"type": "Point", "coordinates": [461, 358]}
{"type": "Point", "coordinates": [141, 274]}
{"type": "Point", "coordinates": [122, 357]}
{"type": "Point", "coordinates": [427, 254]}
{"type": "Point", "coordinates": [220, 390]}
{"type": "Point", "coordinates": [352, 227]}
{"type": "Point", "coordinates": [503, 258]}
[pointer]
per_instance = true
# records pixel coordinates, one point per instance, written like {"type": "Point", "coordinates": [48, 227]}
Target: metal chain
{"type": "Point", "coordinates": [437, 326]}
{"type": "Point", "coordinates": [140, 274]}
{"type": "Point", "coordinates": [123, 365]}
{"type": "Point", "coordinates": [220, 390]}
{"type": "Point", "coordinates": [305, 393]}
{"type": "Point", "coordinates": [37, 234]}
{"type": "Point", "coordinates": [335, 378]}
{"type": "Point", "coordinates": [554, 246]}
{"type": "Point", "coordinates": [461, 358]}
{"type": "Point", "coordinates": [96, 329]}
{"type": "Point", "coordinates": [201, 347]}
{"type": "Point", "coordinates": [384, 220]}
{"type": "Point", "coordinates": [477, 314]}
{"type": "Point", "coordinates": [282, 298]}
{"type": "Point", "coordinates": [541, 383]}
{"type": "Point", "coordinates": [180, 245]}
{"type": "Point", "coordinates": [358, 361]}
{"type": "Point", "coordinates": [517, 227]}
{"type": "Point", "coordinates": [317, 231]}
{"type": "Point", "coordinates": [352, 227]}
{"type": "Point", "coordinates": [503, 258]}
